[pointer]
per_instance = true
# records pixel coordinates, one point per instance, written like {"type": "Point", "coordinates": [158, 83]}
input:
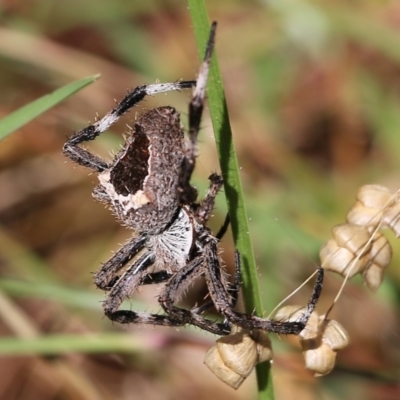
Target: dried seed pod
{"type": "Point", "coordinates": [391, 217]}
{"type": "Point", "coordinates": [376, 204]}
{"type": "Point", "coordinates": [234, 356]}
{"type": "Point", "coordinates": [341, 260]}
{"type": "Point", "coordinates": [333, 334]}
{"type": "Point", "coordinates": [381, 251]}
{"type": "Point", "coordinates": [373, 276]}
{"type": "Point", "coordinates": [348, 252]}
{"type": "Point", "coordinates": [311, 331]}
{"type": "Point", "coordinates": [263, 342]}
{"type": "Point", "coordinates": [364, 216]}
{"type": "Point", "coordinates": [340, 254]}
{"type": "Point", "coordinates": [289, 313]}
{"type": "Point", "coordinates": [319, 340]}
{"type": "Point", "coordinates": [374, 196]}
{"type": "Point", "coordinates": [352, 237]}
{"type": "Point", "coordinates": [310, 336]}
{"type": "Point", "coordinates": [320, 353]}
{"type": "Point", "coordinates": [217, 366]}
{"type": "Point", "coordinates": [239, 352]}
{"type": "Point", "coordinates": [380, 256]}
{"type": "Point", "coordinates": [320, 360]}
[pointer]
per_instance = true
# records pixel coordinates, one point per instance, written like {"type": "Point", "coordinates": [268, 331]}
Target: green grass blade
{"type": "Point", "coordinates": [232, 183]}
{"type": "Point", "coordinates": [69, 343]}
{"type": "Point", "coordinates": [27, 113]}
{"type": "Point", "coordinates": [55, 292]}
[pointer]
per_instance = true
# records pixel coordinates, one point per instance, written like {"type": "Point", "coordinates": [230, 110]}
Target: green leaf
{"type": "Point", "coordinates": [232, 183]}
{"type": "Point", "coordinates": [27, 113]}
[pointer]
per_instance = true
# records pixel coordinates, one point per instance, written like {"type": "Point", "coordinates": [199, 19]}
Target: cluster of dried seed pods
{"type": "Point", "coordinates": [358, 246]}
{"type": "Point", "coordinates": [320, 339]}
{"type": "Point", "coordinates": [234, 356]}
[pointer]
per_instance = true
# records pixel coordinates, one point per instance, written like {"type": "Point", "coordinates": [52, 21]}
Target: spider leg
{"type": "Point", "coordinates": [127, 283]}
{"type": "Point", "coordinates": [233, 289]}
{"type": "Point", "coordinates": [195, 112]}
{"type": "Point", "coordinates": [85, 158]}
{"type": "Point", "coordinates": [223, 304]}
{"type": "Point", "coordinates": [125, 286]}
{"type": "Point", "coordinates": [174, 290]}
{"type": "Point", "coordinates": [156, 277]}
{"type": "Point", "coordinates": [206, 206]}
{"type": "Point", "coordinates": [220, 234]}
{"type": "Point", "coordinates": [105, 278]}
{"type": "Point", "coordinates": [237, 282]}
{"type": "Point", "coordinates": [162, 276]}
{"type": "Point", "coordinates": [135, 276]}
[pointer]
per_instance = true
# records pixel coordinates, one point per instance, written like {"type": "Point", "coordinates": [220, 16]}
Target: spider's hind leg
{"type": "Point", "coordinates": [105, 278]}
{"type": "Point", "coordinates": [223, 304]}
{"type": "Point", "coordinates": [174, 290]}
{"type": "Point", "coordinates": [137, 275]}
{"type": "Point", "coordinates": [124, 287]}
{"type": "Point", "coordinates": [233, 290]}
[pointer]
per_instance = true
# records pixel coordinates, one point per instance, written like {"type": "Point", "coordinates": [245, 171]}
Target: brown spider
{"type": "Point", "coordinates": [147, 186]}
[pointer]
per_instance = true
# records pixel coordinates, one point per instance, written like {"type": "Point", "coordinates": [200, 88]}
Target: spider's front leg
{"type": "Point", "coordinates": [85, 158]}
{"type": "Point", "coordinates": [203, 210]}
{"type": "Point", "coordinates": [196, 105]}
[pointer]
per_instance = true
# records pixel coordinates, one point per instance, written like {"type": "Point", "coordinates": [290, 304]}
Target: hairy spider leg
{"type": "Point", "coordinates": [120, 291]}
{"type": "Point", "coordinates": [83, 157]}
{"type": "Point", "coordinates": [233, 289]}
{"type": "Point", "coordinates": [222, 231]}
{"type": "Point", "coordinates": [137, 275]}
{"type": "Point", "coordinates": [222, 302]}
{"type": "Point", "coordinates": [105, 278]}
{"type": "Point", "coordinates": [130, 280]}
{"type": "Point", "coordinates": [203, 210]}
{"type": "Point", "coordinates": [175, 288]}
{"type": "Point", "coordinates": [196, 106]}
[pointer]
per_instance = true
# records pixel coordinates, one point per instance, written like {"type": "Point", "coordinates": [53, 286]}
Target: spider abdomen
{"type": "Point", "coordinates": [141, 186]}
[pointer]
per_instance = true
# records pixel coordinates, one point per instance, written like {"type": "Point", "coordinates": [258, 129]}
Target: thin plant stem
{"type": "Point", "coordinates": [232, 184]}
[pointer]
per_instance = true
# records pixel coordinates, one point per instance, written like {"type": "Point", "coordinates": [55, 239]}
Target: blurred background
{"type": "Point", "coordinates": [313, 90]}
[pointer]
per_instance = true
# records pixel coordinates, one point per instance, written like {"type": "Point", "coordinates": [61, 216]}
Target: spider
{"type": "Point", "coordinates": [147, 187]}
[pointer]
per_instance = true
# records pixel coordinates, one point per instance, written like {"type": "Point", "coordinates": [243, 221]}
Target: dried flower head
{"type": "Point", "coordinates": [320, 339]}
{"type": "Point", "coordinates": [359, 246]}
{"type": "Point", "coordinates": [234, 356]}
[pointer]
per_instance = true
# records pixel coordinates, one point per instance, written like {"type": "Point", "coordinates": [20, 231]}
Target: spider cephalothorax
{"type": "Point", "coordinates": [147, 186]}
